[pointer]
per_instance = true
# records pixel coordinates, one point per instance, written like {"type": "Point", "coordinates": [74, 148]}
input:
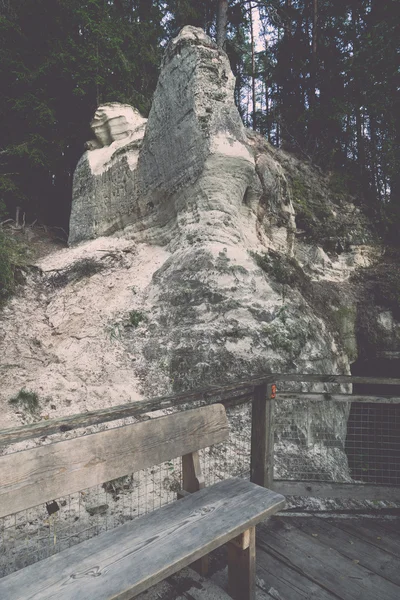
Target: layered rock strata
{"type": "Point", "coordinates": [249, 285]}
{"type": "Point", "coordinates": [104, 179]}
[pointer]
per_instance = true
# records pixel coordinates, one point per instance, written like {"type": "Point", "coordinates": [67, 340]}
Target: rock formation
{"type": "Point", "coordinates": [256, 239]}
{"type": "Point", "coordinates": [233, 259]}
{"type": "Point", "coordinates": [104, 179]}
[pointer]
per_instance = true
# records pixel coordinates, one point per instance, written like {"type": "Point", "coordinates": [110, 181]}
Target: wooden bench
{"type": "Point", "coordinates": [129, 559]}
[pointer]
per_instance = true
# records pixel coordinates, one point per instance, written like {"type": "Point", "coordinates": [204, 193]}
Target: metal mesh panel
{"type": "Point", "coordinates": [337, 441]}
{"type": "Point", "coordinates": [373, 443]}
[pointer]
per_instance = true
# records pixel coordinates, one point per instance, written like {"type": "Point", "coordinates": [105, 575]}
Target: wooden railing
{"type": "Point", "coordinates": [259, 391]}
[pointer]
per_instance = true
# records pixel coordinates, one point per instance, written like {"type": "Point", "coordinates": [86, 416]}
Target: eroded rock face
{"type": "Point", "coordinates": [195, 165]}
{"type": "Point", "coordinates": [237, 294]}
{"type": "Point", "coordinates": [104, 179]}
{"type": "Point", "coordinates": [114, 122]}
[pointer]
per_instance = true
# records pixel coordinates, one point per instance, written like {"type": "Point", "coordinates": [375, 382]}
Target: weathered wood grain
{"type": "Point", "coordinates": [242, 569]}
{"type": "Point", "coordinates": [227, 397]}
{"type": "Point", "coordinates": [193, 481]}
{"type": "Point", "coordinates": [275, 574]}
{"type": "Point", "coordinates": [44, 473]}
{"type": "Point", "coordinates": [192, 477]}
{"type": "Point", "coordinates": [241, 389]}
{"type": "Point", "coordinates": [384, 535]}
{"type": "Point", "coordinates": [348, 379]}
{"type": "Point", "coordinates": [350, 546]}
{"type": "Point", "coordinates": [125, 561]}
{"type": "Point", "coordinates": [323, 564]}
{"type": "Point", "coordinates": [348, 398]}
{"type": "Point", "coordinates": [322, 489]}
{"type": "Point", "coordinates": [262, 438]}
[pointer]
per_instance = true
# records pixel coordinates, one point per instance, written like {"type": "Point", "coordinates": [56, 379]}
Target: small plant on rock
{"type": "Point", "coordinates": [27, 401]}
{"type": "Point", "coordinates": [135, 317]}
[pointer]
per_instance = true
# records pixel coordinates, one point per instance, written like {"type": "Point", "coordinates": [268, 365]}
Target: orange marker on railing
{"type": "Point", "coordinates": [273, 392]}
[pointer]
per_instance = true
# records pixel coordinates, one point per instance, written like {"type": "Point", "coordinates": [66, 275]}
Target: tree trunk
{"type": "Point", "coordinates": [222, 22]}
{"type": "Point", "coordinates": [253, 69]}
{"type": "Point", "coordinates": [313, 72]}
{"type": "Point", "coordinates": [357, 91]}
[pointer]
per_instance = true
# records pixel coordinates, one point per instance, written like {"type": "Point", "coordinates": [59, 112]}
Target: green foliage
{"type": "Point", "coordinates": [58, 61]}
{"type": "Point", "coordinates": [283, 269]}
{"type": "Point", "coordinates": [314, 214]}
{"type": "Point", "coordinates": [114, 331]}
{"type": "Point", "coordinates": [6, 268]}
{"type": "Point", "coordinates": [380, 287]}
{"type": "Point", "coordinates": [383, 285]}
{"type": "Point", "coordinates": [13, 257]}
{"type": "Point", "coordinates": [335, 103]}
{"type": "Point", "coordinates": [135, 318]}
{"type": "Point", "coordinates": [26, 401]}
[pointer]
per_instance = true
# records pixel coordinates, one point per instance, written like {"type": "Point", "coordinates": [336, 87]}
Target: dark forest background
{"type": "Point", "coordinates": [319, 78]}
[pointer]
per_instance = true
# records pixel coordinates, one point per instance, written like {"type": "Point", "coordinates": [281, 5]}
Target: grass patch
{"type": "Point", "coordinates": [135, 317]}
{"type": "Point", "coordinates": [26, 400]}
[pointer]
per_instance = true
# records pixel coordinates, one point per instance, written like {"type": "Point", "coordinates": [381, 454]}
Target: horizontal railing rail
{"type": "Point", "coordinates": [257, 391]}
{"type": "Point", "coordinates": [242, 390]}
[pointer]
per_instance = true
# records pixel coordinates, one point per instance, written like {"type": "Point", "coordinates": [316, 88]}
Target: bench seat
{"type": "Point", "coordinates": [127, 560]}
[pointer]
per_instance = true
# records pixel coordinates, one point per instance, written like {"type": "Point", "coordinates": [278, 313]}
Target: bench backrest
{"type": "Point", "coordinates": [42, 474]}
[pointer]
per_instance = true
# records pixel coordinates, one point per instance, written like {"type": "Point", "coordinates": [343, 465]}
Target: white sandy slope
{"type": "Point", "coordinates": [63, 342]}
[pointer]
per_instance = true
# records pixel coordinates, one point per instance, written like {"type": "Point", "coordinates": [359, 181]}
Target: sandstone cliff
{"type": "Point", "coordinates": [227, 258]}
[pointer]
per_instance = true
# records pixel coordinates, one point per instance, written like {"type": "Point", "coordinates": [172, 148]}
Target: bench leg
{"type": "Point", "coordinates": [242, 566]}
{"type": "Point", "coordinates": [193, 481]}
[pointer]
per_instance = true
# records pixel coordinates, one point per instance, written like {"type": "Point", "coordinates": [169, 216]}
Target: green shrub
{"type": "Point", "coordinates": [12, 259]}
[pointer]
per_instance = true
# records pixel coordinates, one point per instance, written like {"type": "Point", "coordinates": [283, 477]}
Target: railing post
{"type": "Point", "coordinates": [262, 436]}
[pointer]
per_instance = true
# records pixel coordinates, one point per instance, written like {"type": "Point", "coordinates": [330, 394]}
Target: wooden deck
{"type": "Point", "coordinates": [308, 558]}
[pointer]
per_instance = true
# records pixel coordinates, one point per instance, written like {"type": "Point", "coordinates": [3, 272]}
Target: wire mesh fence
{"type": "Point", "coordinates": [373, 443]}
{"type": "Point", "coordinates": [314, 440]}
{"type": "Point", "coordinates": [337, 441]}
{"type": "Point", "coordinates": [34, 534]}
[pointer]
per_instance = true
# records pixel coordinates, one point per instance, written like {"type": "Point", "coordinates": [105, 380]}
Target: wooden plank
{"type": "Point", "coordinates": [134, 409]}
{"type": "Point", "coordinates": [44, 473]}
{"type": "Point", "coordinates": [242, 541]}
{"type": "Point", "coordinates": [277, 577]}
{"type": "Point", "coordinates": [242, 569]}
{"type": "Point", "coordinates": [322, 489]}
{"type": "Point", "coordinates": [386, 537]}
{"type": "Point", "coordinates": [262, 438]}
{"type": "Point", "coordinates": [323, 565]}
{"type": "Point", "coordinates": [192, 477]}
{"type": "Point", "coordinates": [350, 546]}
{"type": "Point", "coordinates": [348, 379]}
{"type": "Point", "coordinates": [193, 481]}
{"type": "Point", "coordinates": [127, 560]}
{"type": "Point", "coordinates": [349, 398]}
{"type": "Point", "coordinates": [223, 393]}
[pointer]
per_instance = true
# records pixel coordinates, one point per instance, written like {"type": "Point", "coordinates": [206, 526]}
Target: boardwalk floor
{"type": "Point", "coordinates": [308, 558]}
{"type": "Point", "coordinates": [327, 559]}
